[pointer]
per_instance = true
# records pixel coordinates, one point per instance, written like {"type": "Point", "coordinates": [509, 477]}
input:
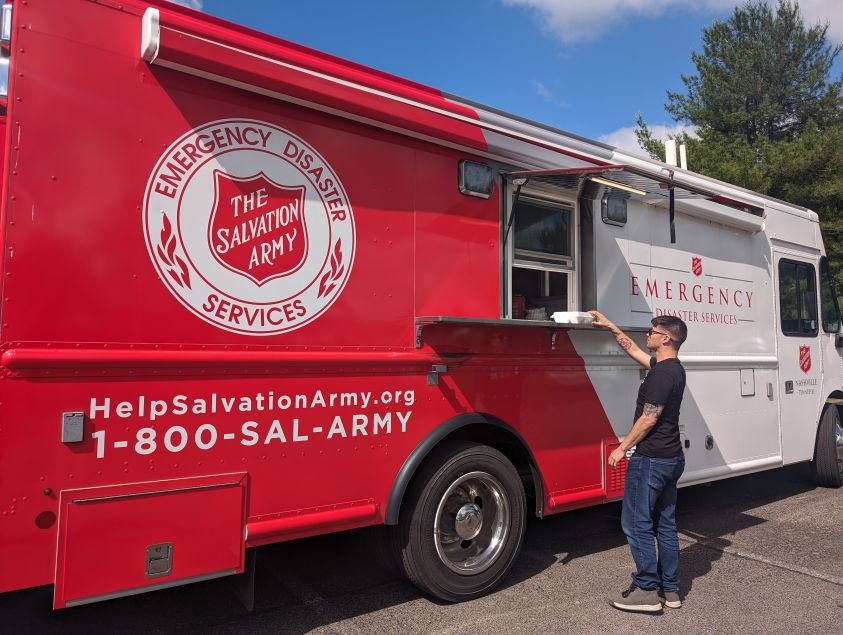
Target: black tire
{"type": "Point", "coordinates": [827, 466]}
{"type": "Point", "coordinates": [470, 488]}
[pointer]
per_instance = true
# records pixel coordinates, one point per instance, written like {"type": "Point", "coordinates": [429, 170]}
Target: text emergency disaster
{"type": "Point", "coordinates": [688, 299]}
{"type": "Point", "coordinates": [372, 414]}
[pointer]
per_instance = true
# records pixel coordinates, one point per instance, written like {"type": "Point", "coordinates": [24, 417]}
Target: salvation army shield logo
{"type": "Point", "coordinates": [257, 227]}
{"type": "Point", "coordinates": [696, 266]}
{"type": "Point", "coordinates": [805, 358]}
{"type": "Point", "coordinates": [249, 227]}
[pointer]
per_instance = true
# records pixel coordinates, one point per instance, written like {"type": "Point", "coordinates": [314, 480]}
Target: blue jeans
{"type": "Point", "coordinates": [649, 515]}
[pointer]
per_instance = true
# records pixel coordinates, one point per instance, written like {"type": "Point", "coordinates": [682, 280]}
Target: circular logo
{"type": "Point", "coordinates": [249, 227]}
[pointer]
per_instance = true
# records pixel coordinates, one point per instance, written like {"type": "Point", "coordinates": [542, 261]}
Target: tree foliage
{"type": "Point", "coordinates": [762, 74]}
{"type": "Point", "coordinates": [768, 115]}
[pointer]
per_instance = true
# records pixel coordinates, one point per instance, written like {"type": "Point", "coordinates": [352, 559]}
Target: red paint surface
{"type": "Point", "coordinates": [85, 318]}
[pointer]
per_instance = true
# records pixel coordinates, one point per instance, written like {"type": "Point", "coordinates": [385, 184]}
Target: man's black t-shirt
{"type": "Point", "coordinates": [663, 386]}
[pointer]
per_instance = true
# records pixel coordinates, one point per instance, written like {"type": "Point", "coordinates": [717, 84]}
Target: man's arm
{"type": "Point", "coordinates": [632, 349]}
{"type": "Point", "coordinates": [645, 423]}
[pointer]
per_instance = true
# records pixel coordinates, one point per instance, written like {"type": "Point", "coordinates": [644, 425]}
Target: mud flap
{"type": "Point", "coordinates": [126, 539]}
{"type": "Point", "coordinates": [243, 585]}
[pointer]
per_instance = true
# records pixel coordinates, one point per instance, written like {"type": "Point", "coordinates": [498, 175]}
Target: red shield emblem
{"type": "Point", "coordinates": [257, 227]}
{"type": "Point", "coordinates": [696, 266]}
{"type": "Point", "coordinates": [805, 358]}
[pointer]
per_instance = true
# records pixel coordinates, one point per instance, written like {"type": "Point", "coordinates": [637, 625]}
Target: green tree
{"type": "Point", "coordinates": [762, 74]}
{"type": "Point", "coordinates": [768, 116]}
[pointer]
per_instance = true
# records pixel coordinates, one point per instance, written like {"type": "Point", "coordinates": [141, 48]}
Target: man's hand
{"type": "Point", "coordinates": [602, 320]}
{"type": "Point", "coordinates": [615, 457]}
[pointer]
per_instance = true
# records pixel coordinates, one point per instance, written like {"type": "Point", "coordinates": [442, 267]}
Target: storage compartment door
{"type": "Point", "coordinates": [126, 539]}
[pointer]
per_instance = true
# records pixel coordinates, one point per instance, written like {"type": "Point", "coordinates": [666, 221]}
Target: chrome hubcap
{"type": "Point", "coordinates": [469, 521]}
{"type": "Point", "coordinates": [472, 523]}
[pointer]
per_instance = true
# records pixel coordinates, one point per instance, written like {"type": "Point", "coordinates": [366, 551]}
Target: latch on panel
{"type": "Point", "coordinates": [159, 560]}
{"type": "Point", "coordinates": [72, 427]}
{"type": "Point", "coordinates": [433, 375]}
{"type": "Point", "coordinates": [788, 387]}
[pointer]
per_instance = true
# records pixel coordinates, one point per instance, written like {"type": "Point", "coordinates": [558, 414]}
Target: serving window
{"type": "Point", "coordinates": [542, 231]}
{"type": "Point", "coordinates": [541, 257]}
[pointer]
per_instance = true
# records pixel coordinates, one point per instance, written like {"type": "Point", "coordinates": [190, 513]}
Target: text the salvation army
{"type": "Point", "coordinates": [255, 222]}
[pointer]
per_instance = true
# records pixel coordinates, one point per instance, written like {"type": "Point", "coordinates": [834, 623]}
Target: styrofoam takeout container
{"type": "Point", "coordinates": [572, 317]}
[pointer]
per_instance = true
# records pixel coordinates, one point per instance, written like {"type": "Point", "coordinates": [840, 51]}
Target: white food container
{"type": "Point", "coordinates": [572, 317]}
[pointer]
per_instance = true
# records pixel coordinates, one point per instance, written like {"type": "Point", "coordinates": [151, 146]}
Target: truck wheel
{"type": "Point", "coordinates": [827, 466]}
{"type": "Point", "coordinates": [463, 523]}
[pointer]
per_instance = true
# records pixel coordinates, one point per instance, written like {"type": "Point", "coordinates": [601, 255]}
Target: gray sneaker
{"type": "Point", "coordinates": [638, 600]}
{"type": "Point", "coordinates": [671, 600]}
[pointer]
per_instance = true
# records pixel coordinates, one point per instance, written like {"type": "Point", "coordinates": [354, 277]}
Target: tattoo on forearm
{"type": "Point", "coordinates": [652, 411]}
{"type": "Point", "coordinates": [625, 342]}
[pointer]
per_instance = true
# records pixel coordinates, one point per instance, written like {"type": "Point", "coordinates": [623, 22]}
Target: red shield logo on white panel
{"type": "Point", "coordinates": [805, 358]}
{"type": "Point", "coordinates": [257, 227]}
{"type": "Point", "coordinates": [696, 266]}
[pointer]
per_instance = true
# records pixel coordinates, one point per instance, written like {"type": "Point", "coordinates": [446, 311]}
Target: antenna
{"type": "Point", "coordinates": [670, 152]}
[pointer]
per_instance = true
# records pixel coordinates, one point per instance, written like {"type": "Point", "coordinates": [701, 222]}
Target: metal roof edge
{"type": "Point", "coordinates": [795, 210]}
{"type": "Point", "coordinates": [524, 120]}
{"type": "Point", "coordinates": [623, 157]}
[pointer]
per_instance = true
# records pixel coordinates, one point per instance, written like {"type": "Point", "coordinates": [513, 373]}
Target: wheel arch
{"type": "Point", "coordinates": [480, 428]}
{"type": "Point", "coordinates": [835, 398]}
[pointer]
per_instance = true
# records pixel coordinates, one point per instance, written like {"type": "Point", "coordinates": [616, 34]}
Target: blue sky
{"type": "Point", "coordinates": [585, 66]}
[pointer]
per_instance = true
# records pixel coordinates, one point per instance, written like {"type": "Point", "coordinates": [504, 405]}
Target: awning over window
{"type": "Point", "coordinates": [651, 185]}
{"type": "Point", "coordinates": [646, 186]}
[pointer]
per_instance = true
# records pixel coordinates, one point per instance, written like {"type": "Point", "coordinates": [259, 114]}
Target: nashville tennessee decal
{"type": "Point", "coordinates": [249, 227]}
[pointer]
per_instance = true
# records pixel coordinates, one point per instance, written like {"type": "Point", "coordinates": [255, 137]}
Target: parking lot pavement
{"type": "Point", "coordinates": [760, 553]}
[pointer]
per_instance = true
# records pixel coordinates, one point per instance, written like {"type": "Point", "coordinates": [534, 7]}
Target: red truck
{"type": "Point", "coordinates": [253, 292]}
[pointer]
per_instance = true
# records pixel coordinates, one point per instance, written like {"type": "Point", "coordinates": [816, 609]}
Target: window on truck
{"type": "Point", "coordinates": [797, 298]}
{"type": "Point", "coordinates": [828, 298]}
{"type": "Point", "coordinates": [542, 258]}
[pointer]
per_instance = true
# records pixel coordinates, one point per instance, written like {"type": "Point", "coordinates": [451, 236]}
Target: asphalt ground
{"type": "Point", "coordinates": [760, 553]}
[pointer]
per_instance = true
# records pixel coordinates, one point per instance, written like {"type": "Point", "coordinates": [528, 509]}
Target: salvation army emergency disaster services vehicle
{"type": "Point", "coordinates": [252, 293]}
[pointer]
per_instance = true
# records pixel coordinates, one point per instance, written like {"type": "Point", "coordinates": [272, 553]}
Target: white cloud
{"type": "Point", "coordinates": [624, 138]}
{"type": "Point", "coordinates": [192, 4]}
{"type": "Point", "coordinates": [582, 20]}
{"type": "Point", "coordinates": [831, 11]}
{"type": "Point", "coordinates": [545, 93]}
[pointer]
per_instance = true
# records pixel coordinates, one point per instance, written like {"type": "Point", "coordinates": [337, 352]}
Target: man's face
{"type": "Point", "coordinates": [656, 338]}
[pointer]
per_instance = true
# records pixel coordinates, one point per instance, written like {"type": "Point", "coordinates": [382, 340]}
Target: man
{"type": "Point", "coordinates": [649, 499]}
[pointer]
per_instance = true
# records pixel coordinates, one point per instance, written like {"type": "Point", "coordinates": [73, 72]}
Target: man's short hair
{"type": "Point", "coordinates": [675, 326]}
